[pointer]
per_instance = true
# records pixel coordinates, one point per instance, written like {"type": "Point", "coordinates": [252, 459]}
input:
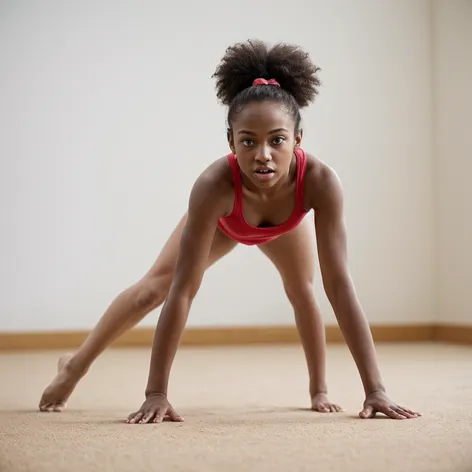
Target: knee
{"type": "Point", "coordinates": [151, 292]}
{"type": "Point", "coordinates": [299, 291]}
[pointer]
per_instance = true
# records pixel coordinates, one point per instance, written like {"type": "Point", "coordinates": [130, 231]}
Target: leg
{"type": "Point", "coordinates": [293, 255]}
{"type": "Point", "coordinates": [125, 311]}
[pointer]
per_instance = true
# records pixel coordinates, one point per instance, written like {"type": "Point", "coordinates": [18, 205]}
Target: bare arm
{"type": "Point", "coordinates": [332, 252]}
{"type": "Point", "coordinates": [205, 207]}
{"type": "Point", "coordinates": [326, 197]}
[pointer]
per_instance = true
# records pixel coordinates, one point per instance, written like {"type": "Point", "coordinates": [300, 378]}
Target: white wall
{"type": "Point", "coordinates": [452, 27]}
{"type": "Point", "coordinates": [108, 113]}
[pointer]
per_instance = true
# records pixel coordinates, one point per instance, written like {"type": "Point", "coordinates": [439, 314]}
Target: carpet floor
{"type": "Point", "coordinates": [245, 409]}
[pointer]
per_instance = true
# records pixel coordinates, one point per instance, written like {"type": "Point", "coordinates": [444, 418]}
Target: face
{"type": "Point", "coordinates": [263, 140]}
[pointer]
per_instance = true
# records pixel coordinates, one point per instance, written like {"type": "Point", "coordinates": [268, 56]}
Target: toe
{"type": "Point", "coordinates": [322, 408]}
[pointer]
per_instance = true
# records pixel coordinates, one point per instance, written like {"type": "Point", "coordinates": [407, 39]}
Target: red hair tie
{"type": "Point", "coordinates": [265, 82]}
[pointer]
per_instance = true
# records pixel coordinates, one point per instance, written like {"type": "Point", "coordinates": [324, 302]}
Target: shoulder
{"type": "Point", "coordinates": [323, 187]}
{"type": "Point", "coordinates": [213, 189]}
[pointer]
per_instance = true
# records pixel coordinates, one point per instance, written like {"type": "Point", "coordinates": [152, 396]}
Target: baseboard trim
{"type": "Point", "coordinates": [227, 336]}
{"type": "Point", "coordinates": [456, 334]}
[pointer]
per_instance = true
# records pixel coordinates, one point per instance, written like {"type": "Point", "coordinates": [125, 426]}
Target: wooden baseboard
{"type": "Point", "coordinates": [227, 336]}
{"type": "Point", "coordinates": [456, 334]}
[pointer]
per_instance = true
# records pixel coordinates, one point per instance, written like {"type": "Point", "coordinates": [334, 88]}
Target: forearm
{"type": "Point", "coordinates": [356, 331]}
{"type": "Point", "coordinates": [166, 341]}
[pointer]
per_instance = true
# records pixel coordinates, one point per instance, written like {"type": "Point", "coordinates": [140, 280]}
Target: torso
{"type": "Point", "coordinates": [252, 219]}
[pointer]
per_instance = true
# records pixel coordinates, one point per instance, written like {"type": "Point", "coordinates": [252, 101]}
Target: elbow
{"type": "Point", "coordinates": [175, 311]}
{"type": "Point", "coordinates": [183, 294]}
{"type": "Point", "coordinates": [189, 291]}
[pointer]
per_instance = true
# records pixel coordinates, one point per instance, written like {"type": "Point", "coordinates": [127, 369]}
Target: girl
{"type": "Point", "coordinates": [257, 195]}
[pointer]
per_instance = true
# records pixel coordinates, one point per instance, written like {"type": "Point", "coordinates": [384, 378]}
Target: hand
{"type": "Point", "coordinates": [321, 403]}
{"type": "Point", "coordinates": [155, 408]}
{"type": "Point", "coordinates": [378, 402]}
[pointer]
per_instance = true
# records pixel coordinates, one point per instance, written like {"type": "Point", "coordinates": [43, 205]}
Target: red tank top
{"type": "Point", "coordinates": [236, 227]}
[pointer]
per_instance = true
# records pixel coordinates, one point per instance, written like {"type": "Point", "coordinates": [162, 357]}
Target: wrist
{"type": "Point", "coordinates": [155, 389]}
{"type": "Point", "coordinates": [375, 388]}
{"type": "Point", "coordinates": [153, 393]}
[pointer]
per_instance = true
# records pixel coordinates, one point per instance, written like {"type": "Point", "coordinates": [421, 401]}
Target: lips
{"type": "Point", "coordinates": [264, 173]}
{"type": "Point", "coordinates": [264, 170]}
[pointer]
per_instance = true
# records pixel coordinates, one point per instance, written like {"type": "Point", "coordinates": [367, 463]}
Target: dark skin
{"type": "Point", "coordinates": [264, 134]}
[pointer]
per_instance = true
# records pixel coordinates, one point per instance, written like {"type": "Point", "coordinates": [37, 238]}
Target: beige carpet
{"type": "Point", "coordinates": [245, 410]}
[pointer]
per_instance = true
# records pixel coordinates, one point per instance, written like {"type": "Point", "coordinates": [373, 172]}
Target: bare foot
{"type": "Point", "coordinates": [56, 394]}
{"type": "Point", "coordinates": [321, 403]}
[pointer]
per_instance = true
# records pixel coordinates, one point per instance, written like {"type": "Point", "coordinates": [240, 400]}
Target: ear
{"type": "Point", "coordinates": [298, 139]}
{"type": "Point", "coordinates": [229, 136]}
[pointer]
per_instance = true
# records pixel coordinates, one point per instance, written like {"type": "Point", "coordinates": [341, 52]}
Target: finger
{"type": "Point", "coordinates": [136, 418]}
{"type": "Point", "coordinates": [410, 411]}
{"type": "Point", "coordinates": [174, 416]}
{"type": "Point", "coordinates": [391, 413]}
{"type": "Point", "coordinates": [367, 412]}
{"type": "Point", "coordinates": [161, 413]}
{"type": "Point", "coordinates": [147, 417]}
{"type": "Point", "coordinates": [404, 412]}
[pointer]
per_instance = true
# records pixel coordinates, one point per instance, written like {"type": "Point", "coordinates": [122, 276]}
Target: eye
{"type": "Point", "coordinates": [247, 142]}
{"type": "Point", "coordinates": [279, 140]}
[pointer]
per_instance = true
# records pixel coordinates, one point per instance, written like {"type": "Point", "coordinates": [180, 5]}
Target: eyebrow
{"type": "Point", "coordinates": [244, 131]}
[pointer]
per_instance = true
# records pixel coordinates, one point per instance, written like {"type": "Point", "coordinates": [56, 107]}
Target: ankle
{"type": "Point", "coordinates": [76, 367]}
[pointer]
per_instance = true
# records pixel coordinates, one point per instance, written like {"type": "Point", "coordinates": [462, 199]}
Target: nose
{"type": "Point", "coordinates": [263, 155]}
